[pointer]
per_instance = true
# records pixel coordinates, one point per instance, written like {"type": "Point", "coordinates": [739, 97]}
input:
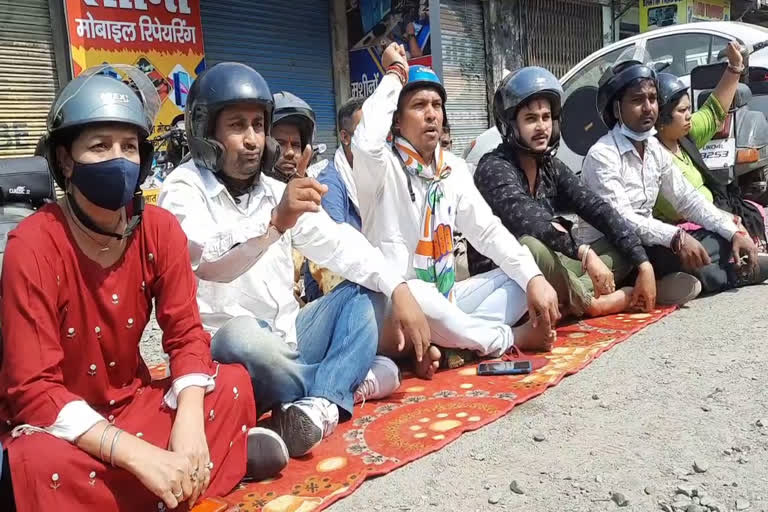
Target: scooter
{"type": "Point", "coordinates": [171, 148]}
{"type": "Point", "coordinates": [739, 150]}
{"type": "Point", "coordinates": [25, 185]}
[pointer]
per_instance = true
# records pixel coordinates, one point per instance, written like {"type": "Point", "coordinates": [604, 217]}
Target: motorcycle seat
{"type": "Point", "coordinates": [742, 97]}
{"type": "Point", "coordinates": [25, 180]}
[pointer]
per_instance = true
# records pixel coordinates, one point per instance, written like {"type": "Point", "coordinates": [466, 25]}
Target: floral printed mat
{"type": "Point", "coordinates": [420, 418]}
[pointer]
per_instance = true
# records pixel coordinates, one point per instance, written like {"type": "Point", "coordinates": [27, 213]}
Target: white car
{"type": "Point", "coordinates": [682, 47]}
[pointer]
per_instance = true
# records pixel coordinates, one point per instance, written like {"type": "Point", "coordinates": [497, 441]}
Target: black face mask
{"type": "Point", "coordinates": [110, 184]}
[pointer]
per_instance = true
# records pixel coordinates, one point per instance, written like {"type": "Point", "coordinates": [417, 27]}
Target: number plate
{"type": "Point", "coordinates": [719, 153]}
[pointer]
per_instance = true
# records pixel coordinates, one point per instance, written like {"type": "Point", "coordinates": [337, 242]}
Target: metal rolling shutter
{"type": "Point", "coordinates": [464, 73]}
{"type": "Point", "coordinates": [28, 80]}
{"type": "Point", "coordinates": [289, 43]}
{"type": "Point", "coordinates": [560, 33]}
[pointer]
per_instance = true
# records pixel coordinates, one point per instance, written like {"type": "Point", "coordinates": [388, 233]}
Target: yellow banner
{"type": "Point", "coordinates": [664, 13]}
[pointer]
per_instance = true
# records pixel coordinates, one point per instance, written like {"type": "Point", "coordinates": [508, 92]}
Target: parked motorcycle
{"type": "Point", "coordinates": [25, 185]}
{"type": "Point", "coordinates": [171, 149]}
{"type": "Point", "coordinates": [739, 150]}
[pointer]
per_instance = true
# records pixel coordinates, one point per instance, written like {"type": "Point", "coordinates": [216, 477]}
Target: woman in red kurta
{"type": "Point", "coordinates": [87, 429]}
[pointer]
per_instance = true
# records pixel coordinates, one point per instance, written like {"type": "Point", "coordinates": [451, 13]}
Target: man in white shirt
{"type": "Point", "coordinates": [413, 196]}
{"type": "Point", "coordinates": [242, 227]}
{"type": "Point", "coordinates": [629, 168]}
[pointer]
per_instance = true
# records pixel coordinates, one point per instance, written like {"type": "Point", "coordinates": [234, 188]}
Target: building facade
{"type": "Point", "coordinates": [325, 51]}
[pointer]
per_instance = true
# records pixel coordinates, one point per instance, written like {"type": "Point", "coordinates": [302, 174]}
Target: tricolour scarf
{"type": "Point", "coordinates": [433, 260]}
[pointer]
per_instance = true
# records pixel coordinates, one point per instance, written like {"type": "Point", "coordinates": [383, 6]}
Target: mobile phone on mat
{"type": "Point", "coordinates": [505, 368]}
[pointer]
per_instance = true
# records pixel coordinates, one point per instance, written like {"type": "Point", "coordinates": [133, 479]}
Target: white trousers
{"type": "Point", "coordinates": [480, 318]}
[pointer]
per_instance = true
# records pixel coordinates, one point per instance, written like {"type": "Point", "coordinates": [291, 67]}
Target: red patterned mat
{"type": "Point", "coordinates": [422, 417]}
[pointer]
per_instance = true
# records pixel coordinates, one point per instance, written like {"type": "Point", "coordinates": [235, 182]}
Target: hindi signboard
{"type": "Point", "coordinates": [163, 38]}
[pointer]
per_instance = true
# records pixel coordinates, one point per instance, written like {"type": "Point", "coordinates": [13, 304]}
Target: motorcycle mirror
{"type": "Point", "coordinates": [582, 124]}
{"type": "Point", "coordinates": [707, 76]}
{"type": "Point", "coordinates": [319, 149]}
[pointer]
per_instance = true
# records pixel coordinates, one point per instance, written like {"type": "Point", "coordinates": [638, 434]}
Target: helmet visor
{"type": "Point", "coordinates": [133, 77]}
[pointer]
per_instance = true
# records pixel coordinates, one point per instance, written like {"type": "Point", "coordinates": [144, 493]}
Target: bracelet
{"type": "Point", "coordinates": [112, 449]}
{"type": "Point", "coordinates": [677, 242]}
{"type": "Point", "coordinates": [401, 67]}
{"type": "Point", "coordinates": [398, 64]}
{"type": "Point", "coordinates": [101, 443]}
{"type": "Point", "coordinates": [399, 73]}
{"type": "Point", "coordinates": [398, 70]}
{"type": "Point", "coordinates": [734, 69]}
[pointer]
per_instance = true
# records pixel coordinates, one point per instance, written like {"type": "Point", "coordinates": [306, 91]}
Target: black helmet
{"type": "Point", "coordinates": [669, 86]}
{"type": "Point", "coordinates": [290, 108]}
{"type": "Point", "coordinates": [614, 81]}
{"type": "Point", "coordinates": [514, 91]}
{"type": "Point", "coordinates": [224, 84]}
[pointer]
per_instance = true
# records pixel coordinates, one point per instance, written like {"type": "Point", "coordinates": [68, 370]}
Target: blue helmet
{"type": "Point", "coordinates": [420, 77]}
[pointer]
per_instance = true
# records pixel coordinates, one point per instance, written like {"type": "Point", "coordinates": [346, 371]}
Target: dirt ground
{"type": "Point", "coordinates": [689, 390]}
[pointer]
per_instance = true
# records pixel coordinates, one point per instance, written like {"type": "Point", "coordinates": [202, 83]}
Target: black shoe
{"type": "Point", "coordinates": [758, 277]}
{"type": "Point", "coordinates": [267, 454]}
{"type": "Point", "coordinates": [303, 424]}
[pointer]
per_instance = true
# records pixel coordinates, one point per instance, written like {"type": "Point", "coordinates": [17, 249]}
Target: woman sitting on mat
{"type": "Point", "coordinates": [683, 134]}
{"type": "Point", "coordinates": [86, 426]}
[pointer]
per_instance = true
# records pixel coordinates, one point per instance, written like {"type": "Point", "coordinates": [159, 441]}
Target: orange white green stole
{"type": "Point", "coordinates": [433, 260]}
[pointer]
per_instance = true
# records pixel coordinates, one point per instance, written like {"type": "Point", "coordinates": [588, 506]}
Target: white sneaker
{"type": "Point", "coordinates": [382, 380]}
{"type": "Point", "coordinates": [304, 423]}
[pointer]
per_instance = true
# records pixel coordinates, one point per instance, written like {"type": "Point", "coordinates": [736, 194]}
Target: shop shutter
{"type": "Point", "coordinates": [28, 80]}
{"type": "Point", "coordinates": [288, 42]}
{"type": "Point", "coordinates": [560, 33]}
{"type": "Point", "coordinates": [464, 71]}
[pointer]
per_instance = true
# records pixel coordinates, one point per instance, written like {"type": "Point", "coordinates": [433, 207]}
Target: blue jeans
{"type": "Point", "coordinates": [337, 340]}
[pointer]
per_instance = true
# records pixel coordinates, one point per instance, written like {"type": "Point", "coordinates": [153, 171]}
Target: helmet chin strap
{"type": "Point", "coordinates": [133, 222]}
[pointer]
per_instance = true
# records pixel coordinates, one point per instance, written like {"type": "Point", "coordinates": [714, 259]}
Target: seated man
{"type": "Point", "coordinates": [293, 127]}
{"type": "Point", "coordinates": [525, 185]}
{"type": "Point", "coordinates": [629, 168]}
{"type": "Point", "coordinates": [242, 226]}
{"type": "Point", "coordinates": [413, 196]}
{"type": "Point", "coordinates": [340, 202]}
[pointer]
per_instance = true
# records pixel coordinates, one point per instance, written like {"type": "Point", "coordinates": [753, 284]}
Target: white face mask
{"type": "Point", "coordinates": [632, 134]}
{"type": "Point", "coordinates": [636, 136]}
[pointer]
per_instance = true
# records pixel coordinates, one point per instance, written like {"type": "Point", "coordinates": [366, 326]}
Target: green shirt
{"type": "Point", "coordinates": [704, 124]}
